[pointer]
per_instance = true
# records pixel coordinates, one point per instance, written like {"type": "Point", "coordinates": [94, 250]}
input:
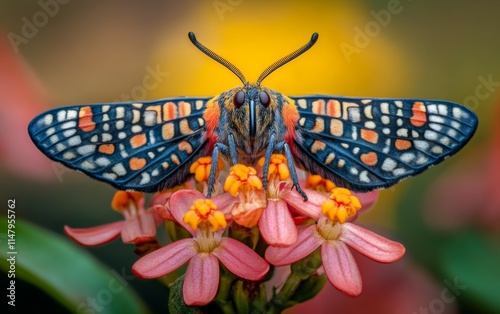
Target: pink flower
{"type": "Point", "coordinates": [333, 234]}
{"type": "Point", "coordinates": [138, 227]}
{"type": "Point", "coordinates": [203, 219]}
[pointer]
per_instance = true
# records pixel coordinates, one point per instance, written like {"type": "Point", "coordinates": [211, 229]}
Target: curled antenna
{"type": "Point", "coordinates": [270, 69]}
{"type": "Point", "coordinates": [216, 57]}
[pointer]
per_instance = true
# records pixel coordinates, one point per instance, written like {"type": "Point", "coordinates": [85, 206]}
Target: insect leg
{"type": "Point", "coordinates": [267, 159]}
{"type": "Point", "coordinates": [232, 149]}
{"type": "Point", "coordinates": [215, 161]}
{"type": "Point", "coordinates": [283, 146]}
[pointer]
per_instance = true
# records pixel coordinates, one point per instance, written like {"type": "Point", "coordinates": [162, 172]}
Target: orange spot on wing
{"type": "Point", "coordinates": [85, 119]}
{"type": "Point", "coordinates": [185, 146]}
{"type": "Point", "coordinates": [184, 109]}
{"type": "Point", "coordinates": [419, 117]}
{"type": "Point", "coordinates": [107, 149]}
{"type": "Point", "coordinates": [137, 163]}
{"type": "Point", "coordinates": [402, 144]}
{"type": "Point", "coordinates": [317, 145]}
{"type": "Point", "coordinates": [369, 159]}
{"type": "Point", "coordinates": [138, 140]}
{"type": "Point", "coordinates": [318, 107]}
{"type": "Point", "coordinates": [169, 111]}
{"type": "Point", "coordinates": [369, 136]}
{"type": "Point", "coordinates": [333, 108]}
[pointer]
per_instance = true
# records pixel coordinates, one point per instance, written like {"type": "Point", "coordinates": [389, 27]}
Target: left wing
{"type": "Point", "coordinates": [366, 144]}
{"type": "Point", "coordinates": [143, 146]}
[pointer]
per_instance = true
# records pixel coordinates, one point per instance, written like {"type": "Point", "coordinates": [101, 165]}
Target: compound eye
{"type": "Point", "coordinates": [264, 99]}
{"type": "Point", "coordinates": [239, 99]}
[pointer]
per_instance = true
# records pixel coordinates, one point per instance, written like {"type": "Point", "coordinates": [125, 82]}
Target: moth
{"type": "Point", "coordinates": [359, 143]}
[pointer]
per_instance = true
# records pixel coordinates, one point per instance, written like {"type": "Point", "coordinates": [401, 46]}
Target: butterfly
{"type": "Point", "coordinates": [359, 143]}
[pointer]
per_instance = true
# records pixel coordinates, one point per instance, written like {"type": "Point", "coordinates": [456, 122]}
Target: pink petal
{"type": "Point", "coordinates": [371, 244]}
{"type": "Point", "coordinates": [138, 229]}
{"type": "Point", "coordinates": [276, 224]}
{"type": "Point", "coordinates": [96, 235]}
{"type": "Point", "coordinates": [367, 200]}
{"type": "Point", "coordinates": [241, 260]}
{"type": "Point", "coordinates": [341, 268]}
{"type": "Point", "coordinates": [163, 212]}
{"type": "Point", "coordinates": [310, 208]}
{"type": "Point", "coordinates": [307, 241]}
{"type": "Point", "coordinates": [225, 203]}
{"type": "Point", "coordinates": [165, 260]}
{"type": "Point", "coordinates": [180, 202]}
{"type": "Point", "coordinates": [202, 279]}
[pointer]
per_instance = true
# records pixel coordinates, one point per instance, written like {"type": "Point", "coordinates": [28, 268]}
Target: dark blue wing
{"type": "Point", "coordinates": [366, 144]}
{"type": "Point", "coordinates": [143, 146]}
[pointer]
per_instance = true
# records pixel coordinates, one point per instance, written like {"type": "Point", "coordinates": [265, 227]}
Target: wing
{"type": "Point", "coordinates": [367, 144]}
{"type": "Point", "coordinates": [143, 146]}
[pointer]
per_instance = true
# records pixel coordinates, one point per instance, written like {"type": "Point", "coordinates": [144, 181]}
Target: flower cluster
{"type": "Point", "coordinates": [247, 229]}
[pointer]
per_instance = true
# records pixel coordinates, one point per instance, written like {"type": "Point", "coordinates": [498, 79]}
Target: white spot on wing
{"type": "Point", "coordinates": [443, 110]}
{"type": "Point", "coordinates": [385, 119]}
{"type": "Point", "coordinates": [145, 178]}
{"type": "Point", "coordinates": [302, 103]}
{"type": "Point", "coordinates": [407, 157]}
{"type": "Point", "coordinates": [149, 117]}
{"type": "Point", "coordinates": [120, 124]}
{"type": "Point", "coordinates": [75, 140]}
{"type": "Point", "coordinates": [61, 115]}
{"type": "Point", "coordinates": [136, 129]}
{"type": "Point", "coordinates": [47, 120]}
{"type": "Point", "coordinates": [370, 125]}
{"type": "Point", "coordinates": [69, 132]}
{"type": "Point", "coordinates": [50, 131]}
{"type": "Point", "coordinates": [363, 177]}
{"type": "Point", "coordinates": [137, 116]}
{"type": "Point", "coordinates": [432, 109]}
{"type": "Point", "coordinates": [384, 107]}
{"type": "Point", "coordinates": [421, 145]}
{"type": "Point", "coordinates": [120, 112]}
{"type": "Point", "coordinates": [403, 132]}
{"type": "Point", "coordinates": [106, 137]}
{"type": "Point", "coordinates": [431, 135]}
{"type": "Point", "coordinates": [69, 155]}
{"type": "Point", "coordinates": [72, 114]}
{"type": "Point", "coordinates": [110, 176]}
{"type": "Point", "coordinates": [119, 169]}
{"type": "Point", "coordinates": [389, 164]}
{"type": "Point", "coordinates": [437, 119]}
{"type": "Point", "coordinates": [102, 161]}
{"type": "Point", "coordinates": [86, 149]}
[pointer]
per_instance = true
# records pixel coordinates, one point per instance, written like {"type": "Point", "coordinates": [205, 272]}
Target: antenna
{"type": "Point", "coordinates": [217, 58]}
{"type": "Point", "coordinates": [287, 58]}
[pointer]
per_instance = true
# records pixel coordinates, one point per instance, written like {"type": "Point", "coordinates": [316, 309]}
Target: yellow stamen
{"type": "Point", "coordinates": [204, 212]}
{"type": "Point", "coordinates": [201, 168]}
{"type": "Point", "coordinates": [316, 182]}
{"type": "Point", "coordinates": [278, 167]}
{"type": "Point", "coordinates": [241, 178]}
{"type": "Point", "coordinates": [122, 199]}
{"type": "Point", "coordinates": [341, 205]}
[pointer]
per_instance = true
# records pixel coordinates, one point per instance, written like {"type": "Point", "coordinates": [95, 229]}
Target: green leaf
{"type": "Point", "coordinates": [66, 272]}
{"type": "Point", "coordinates": [470, 265]}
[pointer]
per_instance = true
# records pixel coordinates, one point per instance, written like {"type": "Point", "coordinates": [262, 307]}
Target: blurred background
{"type": "Point", "coordinates": [55, 53]}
